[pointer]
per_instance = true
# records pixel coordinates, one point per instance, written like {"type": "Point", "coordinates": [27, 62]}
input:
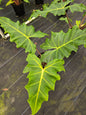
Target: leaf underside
{"type": "Point", "coordinates": [21, 34]}
{"type": "Point", "coordinates": [62, 44]}
{"type": "Point", "coordinates": [41, 80]}
{"type": "Point", "coordinates": [58, 8]}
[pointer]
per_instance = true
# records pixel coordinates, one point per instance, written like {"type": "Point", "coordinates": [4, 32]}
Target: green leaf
{"type": "Point", "coordinates": [65, 19]}
{"type": "Point", "coordinates": [21, 34]}
{"type": "Point", "coordinates": [9, 2]}
{"type": "Point", "coordinates": [58, 8]}
{"type": "Point", "coordinates": [41, 80]}
{"type": "Point", "coordinates": [55, 8]}
{"type": "Point", "coordinates": [77, 7]}
{"type": "Point", "coordinates": [1, 8]}
{"type": "Point", "coordinates": [78, 22]}
{"type": "Point", "coordinates": [0, 1]}
{"type": "Point", "coordinates": [61, 44]}
{"type": "Point", "coordinates": [26, 1]}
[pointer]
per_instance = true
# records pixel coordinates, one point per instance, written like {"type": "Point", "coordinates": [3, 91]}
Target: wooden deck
{"type": "Point", "coordinates": [69, 97]}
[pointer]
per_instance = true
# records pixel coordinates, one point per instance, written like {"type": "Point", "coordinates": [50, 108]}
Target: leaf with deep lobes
{"type": "Point", "coordinates": [21, 34]}
{"type": "Point", "coordinates": [62, 44]}
{"type": "Point", "coordinates": [41, 80]}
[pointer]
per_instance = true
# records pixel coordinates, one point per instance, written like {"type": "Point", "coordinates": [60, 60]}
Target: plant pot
{"type": "Point", "coordinates": [19, 9]}
{"type": "Point", "coordinates": [2, 32]}
{"type": "Point", "coordinates": [39, 2]}
{"type": "Point", "coordinates": [2, 29]}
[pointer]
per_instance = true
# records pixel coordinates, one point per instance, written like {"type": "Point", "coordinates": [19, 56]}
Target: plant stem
{"type": "Point", "coordinates": [70, 25]}
{"type": "Point", "coordinates": [82, 21]}
{"type": "Point", "coordinates": [17, 2]}
{"type": "Point", "coordinates": [38, 52]}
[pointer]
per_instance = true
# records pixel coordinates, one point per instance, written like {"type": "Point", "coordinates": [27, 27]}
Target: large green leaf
{"type": "Point", "coordinates": [41, 80]}
{"type": "Point", "coordinates": [21, 34]}
{"type": "Point", "coordinates": [61, 44]}
{"type": "Point", "coordinates": [58, 8]}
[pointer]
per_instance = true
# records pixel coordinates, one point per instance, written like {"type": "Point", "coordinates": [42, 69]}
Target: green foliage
{"type": "Point", "coordinates": [58, 8]}
{"type": "Point", "coordinates": [1, 8]}
{"type": "Point", "coordinates": [61, 44]}
{"type": "Point", "coordinates": [26, 1]}
{"type": "Point", "coordinates": [21, 34]}
{"type": "Point", "coordinates": [55, 8]}
{"type": "Point", "coordinates": [0, 1]}
{"type": "Point", "coordinates": [9, 2]}
{"type": "Point", "coordinates": [77, 8]}
{"type": "Point", "coordinates": [65, 19]}
{"type": "Point", "coordinates": [78, 22]}
{"type": "Point", "coordinates": [41, 80]}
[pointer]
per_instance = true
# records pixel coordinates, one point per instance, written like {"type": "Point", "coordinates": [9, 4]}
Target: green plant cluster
{"type": "Point", "coordinates": [42, 78]}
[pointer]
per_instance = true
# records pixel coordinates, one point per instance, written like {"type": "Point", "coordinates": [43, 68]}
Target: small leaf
{"type": "Point", "coordinates": [65, 19]}
{"type": "Point", "coordinates": [1, 8]}
{"type": "Point", "coordinates": [78, 22]}
{"type": "Point", "coordinates": [26, 1]}
{"type": "Point", "coordinates": [41, 80]}
{"type": "Point", "coordinates": [9, 2]}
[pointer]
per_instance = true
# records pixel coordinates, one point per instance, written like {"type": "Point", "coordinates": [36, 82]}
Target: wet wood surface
{"type": "Point", "coordinates": [69, 96]}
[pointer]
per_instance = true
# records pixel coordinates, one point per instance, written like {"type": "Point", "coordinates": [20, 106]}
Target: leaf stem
{"type": "Point", "coordinates": [82, 21]}
{"type": "Point", "coordinates": [70, 25]}
{"type": "Point", "coordinates": [38, 52]}
{"type": "Point", "coordinates": [17, 2]}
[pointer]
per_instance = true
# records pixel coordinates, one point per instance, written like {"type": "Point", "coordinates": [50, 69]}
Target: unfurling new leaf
{"type": "Point", "coordinates": [41, 80]}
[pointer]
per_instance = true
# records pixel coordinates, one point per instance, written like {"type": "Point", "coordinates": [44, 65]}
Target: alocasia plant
{"type": "Point", "coordinates": [42, 78]}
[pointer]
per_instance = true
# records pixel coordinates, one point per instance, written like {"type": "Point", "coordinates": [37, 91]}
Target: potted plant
{"type": "Point", "coordinates": [18, 7]}
{"type": "Point", "coordinates": [43, 71]}
{"type": "Point", "coordinates": [39, 2]}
